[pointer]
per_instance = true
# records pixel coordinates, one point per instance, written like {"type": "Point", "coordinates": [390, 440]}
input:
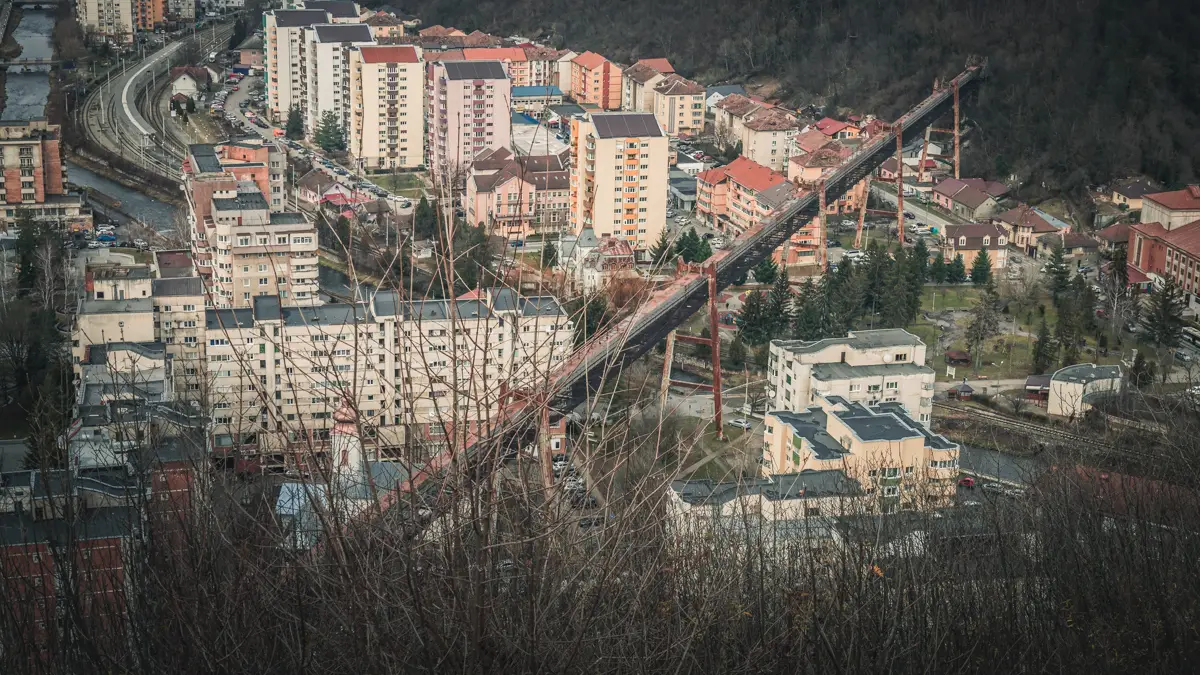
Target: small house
{"type": "Point", "coordinates": [960, 392]}
{"type": "Point", "coordinates": [957, 357]}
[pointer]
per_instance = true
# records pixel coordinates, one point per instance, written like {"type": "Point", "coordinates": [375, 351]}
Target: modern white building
{"type": "Point", "coordinates": [387, 120]}
{"type": "Point", "coordinates": [1071, 388]}
{"type": "Point", "coordinates": [326, 70]}
{"type": "Point", "coordinates": [283, 57]}
{"type": "Point", "coordinates": [867, 366]}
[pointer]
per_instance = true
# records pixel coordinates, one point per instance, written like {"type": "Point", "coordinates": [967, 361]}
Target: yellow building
{"type": "Point", "coordinates": [387, 126]}
{"type": "Point", "coordinates": [679, 106]}
{"type": "Point", "coordinates": [619, 177]}
{"type": "Point", "coordinates": [893, 457]}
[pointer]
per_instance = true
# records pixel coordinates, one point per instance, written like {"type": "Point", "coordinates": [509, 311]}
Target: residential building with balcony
{"type": "Point", "coordinates": [638, 82]}
{"type": "Point", "coordinates": [414, 371]}
{"type": "Point", "coordinates": [764, 131]}
{"type": "Point", "coordinates": [112, 20]}
{"type": "Point", "coordinates": [340, 11]}
{"type": "Point", "coordinates": [468, 114]}
{"type": "Point", "coordinates": [515, 63]}
{"type": "Point", "coordinates": [1166, 243]}
{"type": "Point", "coordinates": [514, 197]}
{"type": "Point", "coordinates": [679, 106]}
{"type": "Point", "coordinates": [35, 176]}
{"type": "Point", "coordinates": [897, 461]}
{"type": "Point", "coordinates": [387, 117]}
{"type": "Point", "coordinates": [596, 80]}
{"type": "Point", "coordinates": [545, 66]}
{"type": "Point", "coordinates": [619, 177]}
{"type": "Point", "coordinates": [327, 71]}
{"type": "Point", "coordinates": [972, 239]}
{"type": "Point", "coordinates": [284, 49]}
{"type": "Point", "coordinates": [244, 250]}
{"type": "Point", "coordinates": [868, 366]}
{"type": "Point", "coordinates": [738, 196]}
{"type": "Point", "coordinates": [220, 167]}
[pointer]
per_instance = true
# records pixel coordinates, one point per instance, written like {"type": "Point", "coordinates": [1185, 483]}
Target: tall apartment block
{"type": "Point", "coordinates": [416, 372]}
{"type": "Point", "coordinates": [619, 177]}
{"type": "Point", "coordinates": [111, 20]}
{"type": "Point", "coordinates": [596, 80]}
{"type": "Point", "coordinates": [34, 177]}
{"type": "Point", "coordinates": [283, 56]}
{"type": "Point", "coordinates": [468, 113]}
{"type": "Point", "coordinates": [387, 124]}
{"type": "Point", "coordinates": [244, 245]}
{"type": "Point", "coordinates": [326, 69]}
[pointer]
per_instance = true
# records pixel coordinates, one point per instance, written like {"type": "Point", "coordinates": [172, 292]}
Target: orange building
{"type": "Point", "coordinates": [596, 80]}
{"type": "Point", "coordinates": [736, 197]}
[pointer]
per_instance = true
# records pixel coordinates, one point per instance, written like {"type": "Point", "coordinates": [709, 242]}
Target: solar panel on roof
{"type": "Point", "coordinates": [624, 125]}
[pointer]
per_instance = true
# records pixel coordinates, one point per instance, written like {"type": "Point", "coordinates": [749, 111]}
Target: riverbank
{"type": "Point", "coordinates": [9, 49]}
{"type": "Point", "coordinates": [99, 166]}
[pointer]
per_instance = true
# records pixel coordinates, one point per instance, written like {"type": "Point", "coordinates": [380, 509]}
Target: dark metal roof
{"type": "Point", "coordinates": [297, 18]}
{"type": "Point", "coordinates": [339, 9]}
{"type": "Point", "coordinates": [229, 319]}
{"type": "Point", "coordinates": [343, 32]}
{"type": "Point", "coordinates": [474, 70]}
{"type": "Point", "coordinates": [626, 125]}
{"type": "Point", "coordinates": [176, 286]}
{"type": "Point", "coordinates": [807, 484]}
{"type": "Point", "coordinates": [245, 201]}
{"type": "Point", "coordinates": [204, 158]}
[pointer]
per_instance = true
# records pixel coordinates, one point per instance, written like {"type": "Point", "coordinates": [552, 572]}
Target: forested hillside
{"type": "Point", "coordinates": [1082, 91]}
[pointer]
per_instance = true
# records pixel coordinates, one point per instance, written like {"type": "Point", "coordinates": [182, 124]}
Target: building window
{"type": "Point", "coordinates": [892, 385]}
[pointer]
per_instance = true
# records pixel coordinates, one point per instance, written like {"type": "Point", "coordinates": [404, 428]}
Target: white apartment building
{"type": "Point", "coordinates": [414, 370]}
{"type": "Point", "coordinates": [468, 113]}
{"type": "Point", "coordinates": [108, 19]}
{"type": "Point", "coordinates": [869, 367]}
{"type": "Point", "coordinates": [387, 120]}
{"type": "Point", "coordinates": [181, 9]}
{"type": "Point", "coordinates": [245, 250]}
{"type": "Point", "coordinates": [283, 57]}
{"type": "Point", "coordinates": [326, 69]}
{"type": "Point", "coordinates": [619, 177]}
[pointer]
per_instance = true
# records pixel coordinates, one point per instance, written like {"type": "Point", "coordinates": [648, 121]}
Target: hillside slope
{"type": "Point", "coordinates": [1081, 91]}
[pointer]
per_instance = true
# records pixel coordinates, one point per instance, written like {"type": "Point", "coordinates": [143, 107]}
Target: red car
{"type": "Point", "coordinates": [967, 482]}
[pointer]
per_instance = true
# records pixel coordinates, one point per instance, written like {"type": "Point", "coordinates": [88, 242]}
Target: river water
{"type": "Point", "coordinates": [26, 92]}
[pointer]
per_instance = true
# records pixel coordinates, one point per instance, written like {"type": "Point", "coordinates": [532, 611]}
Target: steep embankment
{"type": "Point", "coordinates": [1081, 91]}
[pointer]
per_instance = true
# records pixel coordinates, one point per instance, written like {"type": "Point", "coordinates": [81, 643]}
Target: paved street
{"type": "Point", "coordinates": [923, 214]}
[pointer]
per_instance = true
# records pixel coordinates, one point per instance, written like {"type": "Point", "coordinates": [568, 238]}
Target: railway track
{"type": "Point", "coordinates": [1035, 430]}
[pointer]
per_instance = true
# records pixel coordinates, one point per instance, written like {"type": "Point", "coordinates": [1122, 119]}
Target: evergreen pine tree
{"type": "Point", "coordinates": [895, 304]}
{"type": "Point", "coordinates": [1162, 320]}
{"type": "Point", "coordinates": [424, 220]}
{"type": "Point", "coordinates": [766, 271]}
{"type": "Point", "coordinates": [1066, 334]}
{"type": "Point", "coordinates": [703, 251]}
{"type": "Point", "coordinates": [330, 135]}
{"type": "Point", "coordinates": [762, 356]}
{"type": "Point", "coordinates": [737, 352]}
{"type": "Point", "coordinates": [700, 351]}
{"type": "Point", "coordinates": [1057, 274]}
{"type": "Point", "coordinates": [956, 273]}
{"type": "Point", "coordinates": [1044, 350]}
{"type": "Point", "coordinates": [754, 325]}
{"type": "Point", "coordinates": [806, 315]}
{"type": "Point", "coordinates": [779, 306]}
{"type": "Point", "coordinates": [687, 244]}
{"type": "Point", "coordinates": [549, 255]}
{"type": "Point", "coordinates": [983, 325]}
{"type": "Point", "coordinates": [938, 271]}
{"type": "Point", "coordinates": [294, 128]}
{"type": "Point", "coordinates": [981, 269]}
{"type": "Point", "coordinates": [662, 250]}
{"type": "Point", "coordinates": [918, 262]}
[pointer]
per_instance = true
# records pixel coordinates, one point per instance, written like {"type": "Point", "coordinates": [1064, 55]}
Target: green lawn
{"type": "Point", "coordinates": [949, 296]}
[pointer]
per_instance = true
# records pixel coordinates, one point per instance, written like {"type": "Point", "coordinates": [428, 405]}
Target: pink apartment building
{"type": "Point", "coordinates": [518, 196]}
{"type": "Point", "coordinates": [596, 80]}
{"type": "Point", "coordinates": [516, 65]}
{"type": "Point", "coordinates": [468, 114]}
{"type": "Point", "coordinates": [735, 197]}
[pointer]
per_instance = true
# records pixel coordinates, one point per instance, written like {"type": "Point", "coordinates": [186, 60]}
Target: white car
{"type": "Point", "coordinates": [740, 423]}
{"type": "Point", "coordinates": [559, 465]}
{"type": "Point", "coordinates": [140, 243]}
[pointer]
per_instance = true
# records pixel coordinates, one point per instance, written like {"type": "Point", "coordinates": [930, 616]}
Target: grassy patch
{"type": "Point", "coordinates": [407, 184]}
{"type": "Point", "coordinates": [949, 296]}
{"type": "Point", "coordinates": [140, 257]}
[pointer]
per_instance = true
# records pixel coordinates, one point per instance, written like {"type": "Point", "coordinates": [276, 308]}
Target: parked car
{"type": "Point", "coordinates": [833, 243]}
{"type": "Point", "coordinates": [140, 244]}
{"type": "Point", "coordinates": [106, 236]}
{"type": "Point", "coordinates": [740, 423]}
{"type": "Point", "coordinates": [993, 487]}
{"type": "Point", "coordinates": [909, 215]}
{"type": "Point", "coordinates": [558, 465]}
{"type": "Point", "coordinates": [967, 482]}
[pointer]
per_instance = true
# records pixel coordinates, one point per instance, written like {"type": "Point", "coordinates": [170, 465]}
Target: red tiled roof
{"type": "Point", "coordinates": [990, 187]}
{"type": "Point", "coordinates": [1187, 199]}
{"type": "Point", "coordinates": [830, 126]}
{"type": "Point", "coordinates": [442, 55]}
{"type": "Point", "coordinates": [1186, 238]}
{"type": "Point", "coordinates": [975, 232]}
{"type": "Point", "coordinates": [1071, 240]}
{"type": "Point", "coordinates": [891, 166]}
{"type": "Point", "coordinates": [737, 105]}
{"type": "Point", "coordinates": [714, 175]}
{"type": "Point", "coordinates": [1135, 275]}
{"type": "Point", "coordinates": [389, 54]}
{"type": "Point", "coordinates": [812, 140]}
{"type": "Point", "coordinates": [1135, 188]}
{"type": "Point", "coordinates": [1023, 216]}
{"type": "Point", "coordinates": [661, 65]}
{"type": "Point", "coordinates": [770, 119]}
{"type": "Point", "coordinates": [589, 60]}
{"type": "Point", "coordinates": [752, 175]}
{"type": "Point", "coordinates": [439, 31]}
{"type": "Point", "coordinates": [675, 85]}
{"type": "Point", "coordinates": [494, 54]}
{"type": "Point", "coordinates": [1118, 233]}
{"type": "Point", "coordinates": [970, 197]}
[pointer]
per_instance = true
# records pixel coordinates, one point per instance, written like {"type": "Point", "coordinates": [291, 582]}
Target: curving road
{"type": "Point", "coordinates": [113, 111]}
